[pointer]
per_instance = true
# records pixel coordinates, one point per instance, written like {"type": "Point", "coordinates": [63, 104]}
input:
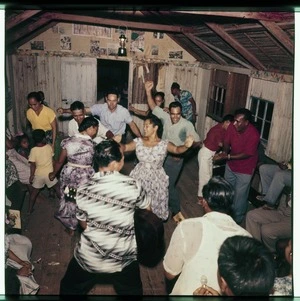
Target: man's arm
{"type": "Point", "coordinates": [148, 86]}
{"type": "Point", "coordinates": [135, 129]}
{"type": "Point", "coordinates": [61, 110]}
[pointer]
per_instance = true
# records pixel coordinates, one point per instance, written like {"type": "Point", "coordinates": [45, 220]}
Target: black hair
{"type": "Point", "coordinates": [88, 122]}
{"type": "Point", "coordinates": [162, 95]}
{"type": "Point", "coordinates": [42, 95]}
{"type": "Point", "coordinates": [247, 114]}
{"type": "Point", "coordinates": [35, 95]}
{"type": "Point", "coordinates": [156, 122]}
{"type": "Point", "coordinates": [175, 104]}
{"type": "Point", "coordinates": [76, 105]}
{"type": "Point", "coordinates": [247, 266]}
{"type": "Point", "coordinates": [218, 194]}
{"type": "Point", "coordinates": [112, 91]}
{"type": "Point", "coordinates": [106, 152]}
{"type": "Point", "coordinates": [38, 136]}
{"type": "Point", "coordinates": [228, 117]}
{"type": "Point", "coordinates": [18, 140]}
{"type": "Point", "coordinates": [175, 86]}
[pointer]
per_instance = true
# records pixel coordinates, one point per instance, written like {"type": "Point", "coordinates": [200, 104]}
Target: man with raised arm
{"type": "Point", "coordinates": [176, 129]}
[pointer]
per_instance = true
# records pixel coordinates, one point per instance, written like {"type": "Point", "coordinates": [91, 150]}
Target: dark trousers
{"type": "Point", "coordinates": [79, 282]}
{"type": "Point", "coordinates": [172, 167]}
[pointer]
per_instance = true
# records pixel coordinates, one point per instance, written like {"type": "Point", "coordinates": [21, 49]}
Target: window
{"type": "Point", "coordinates": [227, 92]}
{"type": "Point", "coordinates": [216, 103]}
{"type": "Point", "coordinates": [262, 111]}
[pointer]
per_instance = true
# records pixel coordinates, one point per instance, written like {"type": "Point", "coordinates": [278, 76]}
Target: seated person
{"type": "Point", "coordinates": [273, 179]}
{"type": "Point", "coordinates": [18, 269]}
{"type": "Point", "coordinates": [195, 242]}
{"type": "Point", "coordinates": [245, 268]}
{"type": "Point", "coordinates": [270, 225]}
{"type": "Point", "coordinates": [283, 285]}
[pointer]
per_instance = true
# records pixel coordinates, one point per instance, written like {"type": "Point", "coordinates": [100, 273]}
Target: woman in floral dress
{"type": "Point", "coordinates": [79, 151]}
{"type": "Point", "coordinates": [151, 152]}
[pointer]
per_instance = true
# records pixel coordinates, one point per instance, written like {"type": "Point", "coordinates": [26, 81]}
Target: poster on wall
{"type": "Point", "coordinates": [95, 47]}
{"type": "Point", "coordinates": [91, 30]}
{"type": "Point", "coordinates": [137, 41]}
{"type": "Point", "coordinates": [112, 49]}
{"type": "Point", "coordinates": [37, 45]}
{"type": "Point", "coordinates": [175, 54]}
{"type": "Point", "coordinates": [65, 43]}
{"type": "Point", "coordinates": [154, 50]}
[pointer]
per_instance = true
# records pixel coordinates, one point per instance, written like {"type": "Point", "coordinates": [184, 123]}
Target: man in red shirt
{"type": "Point", "coordinates": [241, 152]}
{"type": "Point", "coordinates": [213, 142]}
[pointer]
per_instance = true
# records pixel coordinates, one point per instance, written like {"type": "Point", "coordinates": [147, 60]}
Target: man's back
{"type": "Point", "coordinates": [107, 203]}
{"type": "Point", "coordinates": [203, 236]}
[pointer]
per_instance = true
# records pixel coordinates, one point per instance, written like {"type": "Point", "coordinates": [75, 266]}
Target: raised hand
{"type": "Point", "coordinates": [149, 85]}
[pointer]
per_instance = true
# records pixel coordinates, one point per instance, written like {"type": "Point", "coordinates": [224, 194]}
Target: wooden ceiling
{"type": "Point", "coordinates": [256, 40]}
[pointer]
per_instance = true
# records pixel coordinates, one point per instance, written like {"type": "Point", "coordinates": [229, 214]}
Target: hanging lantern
{"type": "Point", "coordinates": [122, 49]}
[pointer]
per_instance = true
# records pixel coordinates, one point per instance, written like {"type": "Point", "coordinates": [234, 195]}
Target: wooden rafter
{"type": "Point", "coordinates": [13, 21]}
{"type": "Point", "coordinates": [237, 46]}
{"type": "Point", "coordinates": [114, 22]}
{"type": "Point", "coordinates": [206, 49]}
{"type": "Point", "coordinates": [279, 35]}
{"type": "Point", "coordinates": [189, 50]}
{"type": "Point", "coordinates": [264, 16]}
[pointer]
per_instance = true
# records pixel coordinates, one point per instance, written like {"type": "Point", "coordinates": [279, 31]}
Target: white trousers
{"type": "Point", "coordinates": [205, 163]}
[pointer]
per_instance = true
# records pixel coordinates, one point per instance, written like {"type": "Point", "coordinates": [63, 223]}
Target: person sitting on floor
{"type": "Point", "coordinates": [273, 179]}
{"type": "Point", "coordinates": [19, 277]}
{"type": "Point", "coordinates": [283, 285]}
{"type": "Point", "coordinates": [245, 268]}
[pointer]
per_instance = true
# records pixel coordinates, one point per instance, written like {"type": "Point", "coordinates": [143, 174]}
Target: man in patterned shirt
{"type": "Point", "coordinates": [187, 102]}
{"type": "Point", "coordinates": [107, 249]}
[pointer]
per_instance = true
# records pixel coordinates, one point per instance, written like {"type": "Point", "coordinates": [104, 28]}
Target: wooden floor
{"type": "Point", "coordinates": [53, 247]}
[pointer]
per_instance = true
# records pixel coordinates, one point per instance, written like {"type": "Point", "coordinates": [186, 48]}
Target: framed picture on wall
{"type": "Point", "coordinates": [65, 43]}
{"type": "Point", "coordinates": [175, 54]}
{"type": "Point", "coordinates": [154, 50]}
{"type": "Point", "coordinates": [37, 45]}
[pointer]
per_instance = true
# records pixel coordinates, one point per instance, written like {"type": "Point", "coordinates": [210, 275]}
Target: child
{"type": "Point", "coordinates": [22, 145]}
{"type": "Point", "coordinates": [41, 164]}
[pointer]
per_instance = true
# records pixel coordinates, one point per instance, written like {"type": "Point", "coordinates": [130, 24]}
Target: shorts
{"type": "Point", "coordinates": [41, 181]}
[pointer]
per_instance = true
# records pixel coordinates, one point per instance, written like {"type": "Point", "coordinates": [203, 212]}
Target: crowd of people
{"type": "Point", "coordinates": [231, 248]}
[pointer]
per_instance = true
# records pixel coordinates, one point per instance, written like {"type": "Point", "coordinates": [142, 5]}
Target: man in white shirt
{"type": "Point", "coordinates": [78, 113]}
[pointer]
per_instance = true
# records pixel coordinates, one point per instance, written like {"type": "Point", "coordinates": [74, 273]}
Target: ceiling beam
{"type": "Point", "coordinates": [15, 20]}
{"type": "Point", "coordinates": [279, 35]}
{"type": "Point", "coordinates": [225, 54]}
{"type": "Point", "coordinates": [265, 16]}
{"type": "Point", "coordinates": [115, 23]}
{"type": "Point", "coordinates": [26, 30]}
{"type": "Point", "coordinates": [206, 49]}
{"type": "Point", "coordinates": [12, 47]}
{"type": "Point", "coordinates": [237, 46]}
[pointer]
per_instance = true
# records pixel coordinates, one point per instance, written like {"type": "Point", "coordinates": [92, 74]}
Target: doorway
{"type": "Point", "coordinates": [112, 74]}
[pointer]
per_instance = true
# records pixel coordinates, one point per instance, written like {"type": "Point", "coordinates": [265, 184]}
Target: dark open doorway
{"type": "Point", "coordinates": [113, 74]}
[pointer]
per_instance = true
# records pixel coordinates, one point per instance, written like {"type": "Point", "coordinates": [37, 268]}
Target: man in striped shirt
{"type": "Point", "coordinates": [107, 249]}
